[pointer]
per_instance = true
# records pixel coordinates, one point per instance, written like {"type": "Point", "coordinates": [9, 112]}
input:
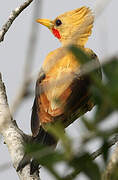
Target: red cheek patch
{"type": "Point", "coordinates": [56, 33]}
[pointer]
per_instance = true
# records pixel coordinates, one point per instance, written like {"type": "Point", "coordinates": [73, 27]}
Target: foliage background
{"type": "Point", "coordinates": [13, 53]}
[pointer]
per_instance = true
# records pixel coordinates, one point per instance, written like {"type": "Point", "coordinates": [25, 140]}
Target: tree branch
{"type": "Point", "coordinates": [13, 136]}
{"type": "Point", "coordinates": [112, 142]}
{"type": "Point", "coordinates": [12, 17]}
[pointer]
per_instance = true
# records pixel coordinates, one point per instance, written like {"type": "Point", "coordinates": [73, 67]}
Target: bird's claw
{"type": "Point", "coordinates": [34, 165]}
{"type": "Point", "coordinates": [24, 161]}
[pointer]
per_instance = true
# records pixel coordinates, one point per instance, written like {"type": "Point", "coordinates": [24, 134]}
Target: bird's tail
{"type": "Point", "coordinates": [45, 138]}
{"type": "Point", "coordinates": [39, 135]}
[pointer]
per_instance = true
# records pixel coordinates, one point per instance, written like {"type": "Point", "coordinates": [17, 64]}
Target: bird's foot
{"type": "Point", "coordinates": [34, 165]}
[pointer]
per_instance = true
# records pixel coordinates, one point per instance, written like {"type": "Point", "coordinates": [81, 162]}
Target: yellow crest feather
{"type": "Point", "coordinates": [78, 22]}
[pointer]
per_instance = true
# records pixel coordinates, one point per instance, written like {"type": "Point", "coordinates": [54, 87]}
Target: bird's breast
{"type": "Point", "coordinates": [59, 90]}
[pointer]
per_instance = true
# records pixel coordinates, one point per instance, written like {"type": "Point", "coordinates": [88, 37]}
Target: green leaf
{"type": "Point", "coordinates": [111, 70]}
{"type": "Point", "coordinates": [84, 163]}
{"type": "Point", "coordinates": [89, 125]}
{"type": "Point", "coordinates": [58, 131]}
{"type": "Point", "coordinates": [102, 97]}
{"type": "Point", "coordinates": [46, 156]}
{"type": "Point", "coordinates": [80, 55]}
{"type": "Point", "coordinates": [111, 73]}
{"type": "Point", "coordinates": [83, 58]}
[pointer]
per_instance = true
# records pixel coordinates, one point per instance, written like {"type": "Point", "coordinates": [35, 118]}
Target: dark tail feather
{"type": "Point", "coordinates": [45, 138]}
{"type": "Point", "coordinates": [35, 119]}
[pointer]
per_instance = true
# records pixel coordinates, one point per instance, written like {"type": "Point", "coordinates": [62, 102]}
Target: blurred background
{"type": "Point", "coordinates": [15, 50]}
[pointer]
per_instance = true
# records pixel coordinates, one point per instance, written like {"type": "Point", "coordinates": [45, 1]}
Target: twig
{"type": "Point", "coordinates": [13, 136]}
{"type": "Point", "coordinates": [112, 142]}
{"type": "Point", "coordinates": [12, 17]}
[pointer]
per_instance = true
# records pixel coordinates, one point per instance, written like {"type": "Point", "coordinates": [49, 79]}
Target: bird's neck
{"type": "Point", "coordinates": [77, 42]}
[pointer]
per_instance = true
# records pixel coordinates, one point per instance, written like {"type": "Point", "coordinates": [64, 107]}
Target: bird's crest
{"type": "Point", "coordinates": [77, 25]}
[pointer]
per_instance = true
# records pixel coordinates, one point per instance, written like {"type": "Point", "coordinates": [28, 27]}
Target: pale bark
{"type": "Point", "coordinates": [13, 136]}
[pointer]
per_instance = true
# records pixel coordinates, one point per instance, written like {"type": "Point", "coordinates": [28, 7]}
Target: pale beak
{"type": "Point", "coordinates": [46, 22]}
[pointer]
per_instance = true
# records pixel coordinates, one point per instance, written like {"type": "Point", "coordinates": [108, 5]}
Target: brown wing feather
{"type": "Point", "coordinates": [48, 115]}
{"type": "Point", "coordinates": [35, 120]}
{"type": "Point", "coordinates": [72, 99]}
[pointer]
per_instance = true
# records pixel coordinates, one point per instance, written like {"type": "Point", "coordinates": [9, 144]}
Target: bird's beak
{"type": "Point", "coordinates": [46, 22]}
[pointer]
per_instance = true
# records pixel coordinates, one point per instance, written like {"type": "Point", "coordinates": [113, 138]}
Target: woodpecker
{"type": "Point", "coordinates": [73, 95]}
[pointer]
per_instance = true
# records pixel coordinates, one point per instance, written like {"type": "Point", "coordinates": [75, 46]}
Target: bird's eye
{"type": "Point", "coordinates": [58, 22]}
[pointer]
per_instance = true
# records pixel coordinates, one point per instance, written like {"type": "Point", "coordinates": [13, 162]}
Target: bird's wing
{"type": "Point", "coordinates": [35, 121]}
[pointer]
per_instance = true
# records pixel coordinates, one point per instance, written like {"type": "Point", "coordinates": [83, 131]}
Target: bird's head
{"type": "Point", "coordinates": [66, 25]}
